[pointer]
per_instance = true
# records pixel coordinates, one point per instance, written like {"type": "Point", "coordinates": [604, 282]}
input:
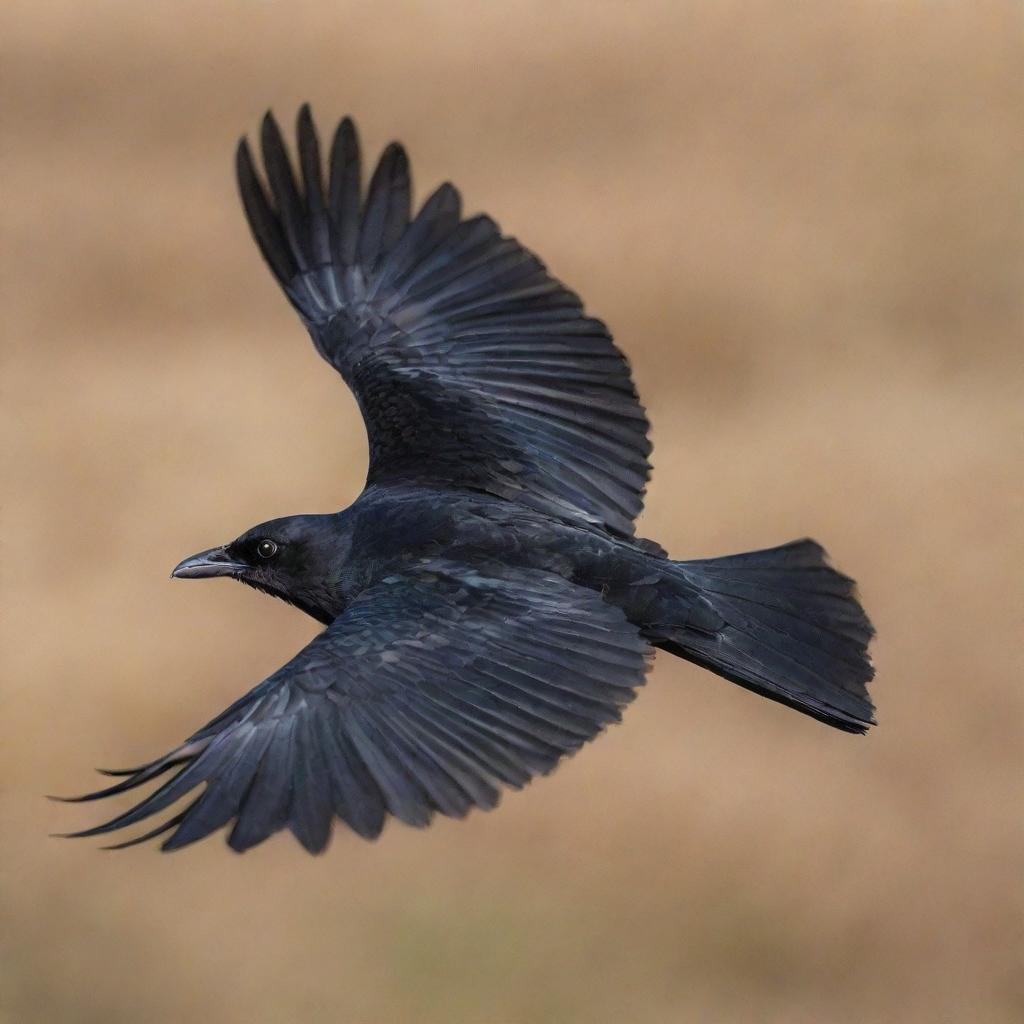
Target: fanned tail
{"type": "Point", "coordinates": [789, 627]}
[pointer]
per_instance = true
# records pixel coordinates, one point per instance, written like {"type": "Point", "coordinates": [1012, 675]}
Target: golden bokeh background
{"type": "Point", "coordinates": [805, 225]}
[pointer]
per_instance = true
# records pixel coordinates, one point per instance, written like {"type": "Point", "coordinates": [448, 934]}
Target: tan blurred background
{"type": "Point", "coordinates": [805, 224]}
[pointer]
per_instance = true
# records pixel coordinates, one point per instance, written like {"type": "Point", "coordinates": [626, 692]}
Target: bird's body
{"type": "Point", "coordinates": [389, 529]}
{"type": "Point", "coordinates": [487, 605]}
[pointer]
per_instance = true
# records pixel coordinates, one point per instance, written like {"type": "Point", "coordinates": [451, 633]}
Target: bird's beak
{"type": "Point", "coordinates": [215, 562]}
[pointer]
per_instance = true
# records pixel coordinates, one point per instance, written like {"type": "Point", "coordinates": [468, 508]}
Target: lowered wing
{"type": "Point", "coordinates": [473, 367]}
{"type": "Point", "coordinates": [431, 691]}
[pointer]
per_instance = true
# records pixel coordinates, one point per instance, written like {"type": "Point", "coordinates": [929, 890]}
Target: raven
{"type": "Point", "coordinates": [488, 608]}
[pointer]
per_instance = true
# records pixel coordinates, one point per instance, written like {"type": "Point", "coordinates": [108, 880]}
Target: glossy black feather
{"type": "Point", "coordinates": [344, 194]}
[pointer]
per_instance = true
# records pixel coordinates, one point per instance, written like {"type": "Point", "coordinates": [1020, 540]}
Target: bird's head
{"type": "Point", "coordinates": [297, 559]}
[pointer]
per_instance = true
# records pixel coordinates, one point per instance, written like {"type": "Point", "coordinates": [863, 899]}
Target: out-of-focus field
{"type": "Point", "coordinates": [805, 224]}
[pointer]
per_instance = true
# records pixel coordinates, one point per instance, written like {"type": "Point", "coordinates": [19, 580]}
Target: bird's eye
{"type": "Point", "coordinates": [266, 549]}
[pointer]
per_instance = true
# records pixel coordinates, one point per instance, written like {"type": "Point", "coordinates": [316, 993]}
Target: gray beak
{"type": "Point", "coordinates": [215, 562]}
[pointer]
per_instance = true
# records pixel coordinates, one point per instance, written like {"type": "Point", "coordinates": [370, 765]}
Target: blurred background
{"type": "Point", "coordinates": [805, 225]}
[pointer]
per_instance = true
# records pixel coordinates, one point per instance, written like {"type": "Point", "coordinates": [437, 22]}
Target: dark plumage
{"type": "Point", "coordinates": [488, 608]}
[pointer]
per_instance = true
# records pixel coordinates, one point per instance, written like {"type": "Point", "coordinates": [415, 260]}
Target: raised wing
{"type": "Point", "coordinates": [472, 366]}
{"type": "Point", "coordinates": [432, 690]}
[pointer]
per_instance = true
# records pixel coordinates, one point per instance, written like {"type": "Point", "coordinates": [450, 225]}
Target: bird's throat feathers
{"type": "Point", "coordinates": [304, 603]}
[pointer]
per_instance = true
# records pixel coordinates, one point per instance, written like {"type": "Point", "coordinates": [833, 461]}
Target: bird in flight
{"type": "Point", "coordinates": [487, 606]}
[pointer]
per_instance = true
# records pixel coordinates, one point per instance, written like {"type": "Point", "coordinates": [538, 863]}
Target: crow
{"type": "Point", "coordinates": [487, 606]}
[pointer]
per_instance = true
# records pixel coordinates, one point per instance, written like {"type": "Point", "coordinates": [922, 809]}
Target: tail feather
{"type": "Point", "coordinates": [788, 627]}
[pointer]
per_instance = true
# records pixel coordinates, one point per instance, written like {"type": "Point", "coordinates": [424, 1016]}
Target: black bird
{"type": "Point", "coordinates": [487, 606]}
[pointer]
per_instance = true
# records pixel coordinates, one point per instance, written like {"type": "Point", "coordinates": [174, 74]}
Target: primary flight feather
{"type": "Point", "coordinates": [487, 606]}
